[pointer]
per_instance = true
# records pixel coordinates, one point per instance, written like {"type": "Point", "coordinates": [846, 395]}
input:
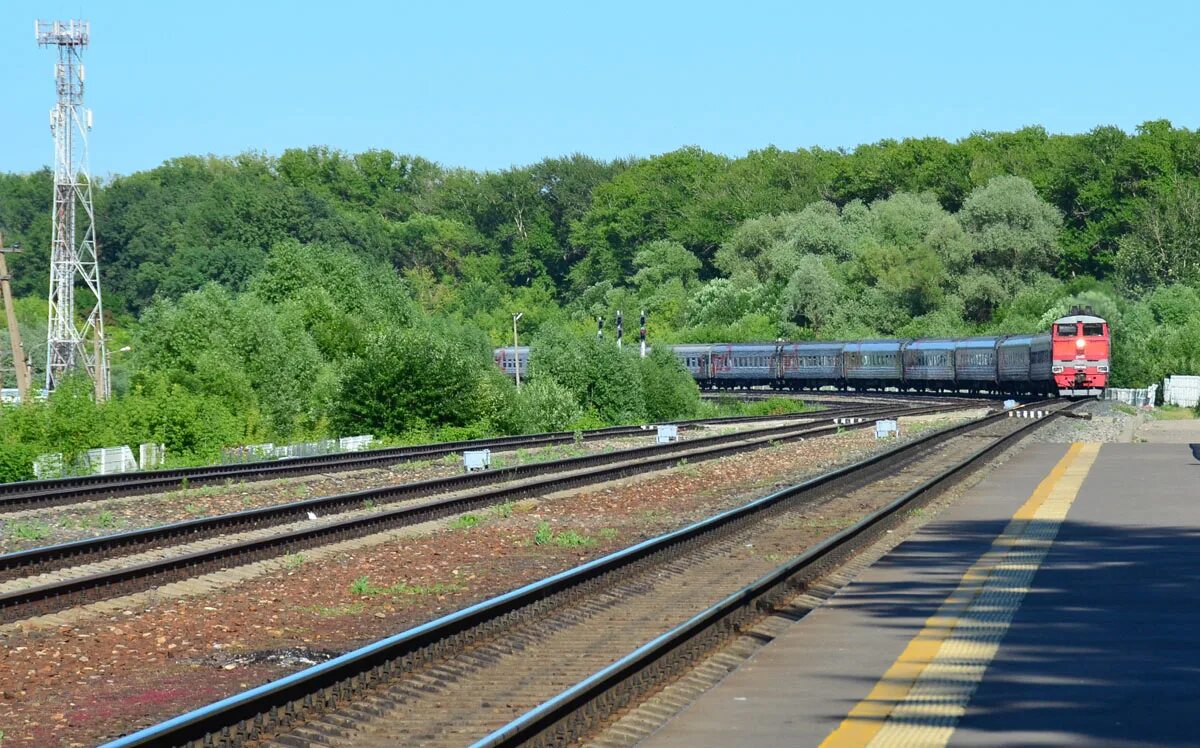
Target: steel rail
{"type": "Point", "coordinates": [47, 558]}
{"type": "Point", "coordinates": [57, 595]}
{"type": "Point", "coordinates": [23, 495]}
{"type": "Point", "coordinates": [258, 712]}
{"type": "Point", "coordinates": [580, 709]}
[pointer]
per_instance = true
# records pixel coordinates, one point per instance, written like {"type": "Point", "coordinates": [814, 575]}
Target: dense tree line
{"type": "Point", "coordinates": [1128, 204]}
{"type": "Point", "coordinates": [308, 293]}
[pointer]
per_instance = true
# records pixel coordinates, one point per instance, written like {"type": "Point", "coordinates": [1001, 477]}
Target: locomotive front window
{"type": "Point", "coordinates": [1067, 331]}
{"type": "Point", "coordinates": [1093, 328]}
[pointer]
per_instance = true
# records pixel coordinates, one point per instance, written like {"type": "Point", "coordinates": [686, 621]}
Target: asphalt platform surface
{"type": "Point", "coordinates": [1058, 603]}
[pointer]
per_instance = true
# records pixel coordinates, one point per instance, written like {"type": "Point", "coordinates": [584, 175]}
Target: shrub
{"type": "Point", "coordinates": [668, 390]}
{"type": "Point", "coordinates": [546, 405]}
{"type": "Point", "coordinates": [407, 378]}
{"type": "Point", "coordinates": [602, 377]}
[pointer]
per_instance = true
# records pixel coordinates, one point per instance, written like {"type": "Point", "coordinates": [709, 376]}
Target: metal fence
{"type": "Point", "coordinates": [260, 452]}
{"type": "Point", "coordinates": [99, 461]}
{"type": "Point", "coordinates": [120, 459]}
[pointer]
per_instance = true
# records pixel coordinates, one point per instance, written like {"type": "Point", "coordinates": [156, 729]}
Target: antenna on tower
{"type": "Point", "coordinates": [73, 231]}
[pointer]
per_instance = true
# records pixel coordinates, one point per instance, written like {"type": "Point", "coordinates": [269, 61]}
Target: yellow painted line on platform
{"type": "Point", "coordinates": [921, 697]}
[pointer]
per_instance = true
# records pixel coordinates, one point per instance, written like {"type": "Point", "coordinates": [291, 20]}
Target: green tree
{"type": "Point", "coordinates": [670, 392]}
{"type": "Point", "coordinates": [1164, 245]}
{"type": "Point", "coordinates": [406, 380]}
{"type": "Point", "coordinates": [1012, 228]}
{"type": "Point", "coordinates": [812, 294]}
{"type": "Point", "coordinates": [546, 405]}
{"type": "Point", "coordinates": [602, 378]}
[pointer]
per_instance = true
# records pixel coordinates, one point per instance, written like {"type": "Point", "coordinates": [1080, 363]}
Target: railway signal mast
{"type": "Point", "coordinates": [73, 230]}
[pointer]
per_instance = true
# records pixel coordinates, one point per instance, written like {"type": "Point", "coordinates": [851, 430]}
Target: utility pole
{"type": "Point", "coordinates": [20, 365]}
{"type": "Point", "coordinates": [620, 330]}
{"type": "Point", "coordinates": [73, 230]}
{"type": "Point", "coordinates": [516, 355]}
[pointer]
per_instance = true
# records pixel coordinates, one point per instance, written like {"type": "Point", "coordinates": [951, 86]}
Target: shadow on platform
{"type": "Point", "coordinates": [1104, 649]}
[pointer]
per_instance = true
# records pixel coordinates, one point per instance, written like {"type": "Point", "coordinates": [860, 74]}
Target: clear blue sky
{"type": "Point", "coordinates": [491, 84]}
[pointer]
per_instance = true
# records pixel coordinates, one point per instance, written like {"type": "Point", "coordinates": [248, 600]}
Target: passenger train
{"type": "Point", "coordinates": [1071, 360]}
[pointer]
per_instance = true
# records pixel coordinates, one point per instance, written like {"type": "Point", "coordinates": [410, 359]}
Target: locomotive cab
{"type": "Point", "coordinates": [1080, 350]}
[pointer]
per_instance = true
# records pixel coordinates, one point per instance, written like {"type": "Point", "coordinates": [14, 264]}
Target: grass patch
{"type": "Point", "coordinates": [655, 515]}
{"type": "Point", "coordinates": [608, 533]}
{"type": "Point", "coordinates": [1172, 413]}
{"type": "Point", "coordinates": [465, 522]}
{"type": "Point", "coordinates": [572, 539]}
{"type": "Point", "coordinates": [503, 511]}
{"type": "Point", "coordinates": [364, 587]}
{"type": "Point", "coordinates": [29, 530]}
{"type": "Point", "coordinates": [104, 519]}
{"type": "Point", "coordinates": [545, 535]}
{"type": "Point", "coordinates": [730, 405]}
{"type": "Point", "coordinates": [691, 471]}
{"type": "Point", "coordinates": [293, 560]}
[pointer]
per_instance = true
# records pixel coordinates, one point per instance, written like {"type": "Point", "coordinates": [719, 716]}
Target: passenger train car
{"type": "Point", "coordinates": [1071, 360]}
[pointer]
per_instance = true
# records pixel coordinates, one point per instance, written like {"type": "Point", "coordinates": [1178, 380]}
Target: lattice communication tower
{"type": "Point", "coordinates": [73, 239]}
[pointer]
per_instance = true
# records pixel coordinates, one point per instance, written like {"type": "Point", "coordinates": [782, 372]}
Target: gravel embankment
{"type": "Point", "coordinates": [40, 527]}
{"type": "Point", "coordinates": [104, 674]}
{"type": "Point", "coordinates": [1110, 422]}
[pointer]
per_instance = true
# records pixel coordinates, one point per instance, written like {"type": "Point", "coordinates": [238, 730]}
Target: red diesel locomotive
{"type": "Point", "coordinates": [1079, 354]}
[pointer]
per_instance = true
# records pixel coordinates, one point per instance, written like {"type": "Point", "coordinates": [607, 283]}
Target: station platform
{"type": "Point", "coordinates": [1055, 604]}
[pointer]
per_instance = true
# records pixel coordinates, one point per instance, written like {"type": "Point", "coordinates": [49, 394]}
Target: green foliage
{"type": "Point", "coordinates": [599, 376]}
{"type": "Point", "coordinates": [271, 298]}
{"type": "Point", "coordinates": [1011, 226]}
{"type": "Point", "coordinates": [408, 379]}
{"type": "Point", "coordinates": [812, 294]}
{"type": "Point", "coordinates": [543, 535]}
{"type": "Point", "coordinates": [1162, 248]}
{"type": "Point", "coordinates": [29, 530]}
{"type": "Point", "coordinates": [545, 405]}
{"type": "Point", "coordinates": [465, 522]}
{"type": "Point", "coordinates": [669, 390]}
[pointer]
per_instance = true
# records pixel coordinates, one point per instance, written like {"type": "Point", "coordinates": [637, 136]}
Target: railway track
{"type": "Point", "coordinates": [551, 661]}
{"type": "Point", "coordinates": [23, 495]}
{"type": "Point", "coordinates": [52, 578]}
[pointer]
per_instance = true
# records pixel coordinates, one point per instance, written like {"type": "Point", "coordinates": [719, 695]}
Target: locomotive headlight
{"type": "Point", "coordinates": [1079, 343]}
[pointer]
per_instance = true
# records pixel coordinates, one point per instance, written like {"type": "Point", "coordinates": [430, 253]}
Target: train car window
{"type": "Point", "coordinates": [1066, 330]}
{"type": "Point", "coordinates": [1093, 328]}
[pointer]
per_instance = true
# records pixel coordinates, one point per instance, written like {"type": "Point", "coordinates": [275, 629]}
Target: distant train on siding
{"type": "Point", "coordinates": [1071, 360]}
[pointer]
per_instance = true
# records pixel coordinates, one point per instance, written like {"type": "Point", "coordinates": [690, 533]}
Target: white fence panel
{"type": "Point", "coordinates": [355, 443]}
{"type": "Point", "coordinates": [1182, 390]}
{"type": "Point", "coordinates": [107, 460]}
{"type": "Point", "coordinates": [151, 456]}
{"type": "Point", "coordinates": [1142, 398]}
{"type": "Point", "coordinates": [49, 465]}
